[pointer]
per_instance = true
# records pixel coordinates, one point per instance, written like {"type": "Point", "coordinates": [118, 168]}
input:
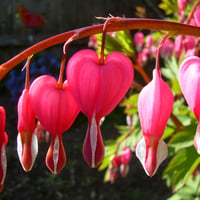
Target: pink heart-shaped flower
{"type": "Point", "coordinates": [3, 143]}
{"type": "Point", "coordinates": [56, 110]}
{"type": "Point", "coordinates": [189, 79]}
{"type": "Point", "coordinates": [98, 88]}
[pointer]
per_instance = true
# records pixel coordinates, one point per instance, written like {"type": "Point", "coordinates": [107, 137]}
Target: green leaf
{"type": "Point", "coordinates": [111, 44]}
{"type": "Point", "coordinates": [121, 42]}
{"type": "Point", "coordinates": [181, 167]}
{"type": "Point", "coordinates": [125, 39]}
{"type": "Point", "coordinates": [168, 132]}
{"type": "Point", "coordinates": [175, 85]}
{"type": "Point", "coordinates": [183, 113]}
{"type": "Point", "coordinates": [169, 6]}
{"type": "Point", "coordinates": [131, 100]}
{"type": "Point", "coordinates": [190, 190]}
{"type": "Point", "coordinates": [183, 139]}
{"type": "Point", "coordinates": [109, 152]}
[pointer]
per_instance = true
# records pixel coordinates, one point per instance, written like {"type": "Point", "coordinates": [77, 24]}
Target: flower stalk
{"type": "Point", "coordinates": [122, 24]}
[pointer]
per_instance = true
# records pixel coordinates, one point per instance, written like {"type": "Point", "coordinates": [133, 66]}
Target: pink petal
{"type": "Point", "coordinates": [3, 143]}
{"type": "Point", "coordinates": [116, 77]}
{"type": "Point", "coordinates": [55, 108]}
{"type": "Point", "coordinates": [56, 158]}
{"type": "Point", "coordinates": [189, 78]}
{"type": "Point", "coordinates": [154, 106]}
{"type": "Point", "coordinates": [125, 155]}
{"type": "Point", "coordinates": [93, 147]}
{"type": "Point", "coordinates": [197, 16]}
{"type": "Point", "coordinates": [26, 116]}
{"type": "Point", "coordinates": [84, 79]}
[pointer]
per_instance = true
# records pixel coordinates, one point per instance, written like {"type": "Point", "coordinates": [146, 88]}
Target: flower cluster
{"type": "Point", "coordinates": [95, 84]}
{"type": "Point", "coordinates": [120, 164]}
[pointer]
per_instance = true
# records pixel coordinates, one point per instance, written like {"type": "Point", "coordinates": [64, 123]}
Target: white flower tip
{"type": "Point", "coordinates": [161, 155]}
{"type": "Point", "coordinates": [197, 139]}
{"type": "Point", "coordinates": [3, 165]}
{"type": "Point", "coordinates": [27, 153]}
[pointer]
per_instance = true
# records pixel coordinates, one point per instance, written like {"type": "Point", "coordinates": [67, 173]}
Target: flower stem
{"type": "Point", "coordinates": [162, 41]}
{"type": "Point", "coordinates": [123, 139]}
{"type": "Point", "coordinates": [62, 68]}
{"type": "Point", "coordinates": [123, 24]}
{"type": "Point", "coordinates": [63, 61]}
{"type": "Point", "coordinates": [108, 20]}
{"type": "Point", "coordinates": [27, 65]}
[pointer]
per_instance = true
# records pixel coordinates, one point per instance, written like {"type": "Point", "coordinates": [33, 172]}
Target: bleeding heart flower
{"type": "Point", "coordinates": [197, 16]}
{"type": "Point", "coordinates": [167, 49]}
{"type": "Point", "coordinates": [139, 40]}
{"type": "Point", "coordinates": [181, 5]}
{"type": "Point", "coordinates": [154, 106]}
{"type": "Point", "coordinates": [125, 155]}
{"type": "Point", "coordinates": [97, 88]}
{"type": "Point", "coordinates": [27, 144]}
{"type": "Point", "coordinates": [114, 168]}
{"type": "Point", "coordinates": [125, 159]}
{"type": "Point", "coordinates": [3, 143]}
{"type": "Point", "coordinates": [189, 79]}
{"type": "Point", "coordinates": [56, 110]}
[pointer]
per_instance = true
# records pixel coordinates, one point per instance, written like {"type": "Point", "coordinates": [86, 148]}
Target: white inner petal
{"type": "Point", "coordinates": [141, 153]}
{"type": "Point", "coordinates": [19, 149]}
{"type": "Point", "coordinates": [197, 139]}
{"type": "Point", "coordinates": [34, 148]}
{"type": "Point", "coordinates": [93, 139]}
{"type": "Point", "coordinates": [56, 147]}
{"type": "Point", "coordinates": [162, 152]}
{"type": "Point", "coordinates": [3, 162]}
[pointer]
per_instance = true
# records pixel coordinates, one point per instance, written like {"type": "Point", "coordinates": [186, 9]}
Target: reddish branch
{"type": "Point", "coordinates": [123, 24]}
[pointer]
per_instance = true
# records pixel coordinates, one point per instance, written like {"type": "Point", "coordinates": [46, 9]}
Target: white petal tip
{"type": "Point", "coordinates": [162, 152]}
{"type": "Point", "coordinates": [33, 151]}
{"type": "Point", "coordinates": [197, 139]}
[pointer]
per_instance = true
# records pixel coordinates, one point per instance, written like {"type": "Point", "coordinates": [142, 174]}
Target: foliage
{"type": "Point", "coordinates": [170, 7]}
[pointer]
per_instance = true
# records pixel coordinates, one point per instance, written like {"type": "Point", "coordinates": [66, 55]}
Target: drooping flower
{"type": "Point", "coordinates": [114, 168]}
{"type": "Point", "coordinates": [56, 110]}
{"type": "Point", "coordinates": [97, 88]}
{"type": "Point", "coordinates": [139, 40]}
{"type": "Point", "coordinates": [181, 6]}
{"type": "Point", "coordinates": [167, 49]}
{"type": "Point", "coordinates": [125, 159]}
{"type": "Point", "coordinates": [149, 41]}
{"type": "Point", "coordinates": [189, 79]}
{"type": "Point", "coordinates": [27, 143]}
{"type": "Point", "coordinates": [197, 16]}
{"type": "Point", "coordinates": [3, 143]}
{"type": "Point", "coordinates": [143, 56]}
{"type": "Point", "coordinates": [154, 106]}
{"type": "Point", "coordinates": [183, 43]}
